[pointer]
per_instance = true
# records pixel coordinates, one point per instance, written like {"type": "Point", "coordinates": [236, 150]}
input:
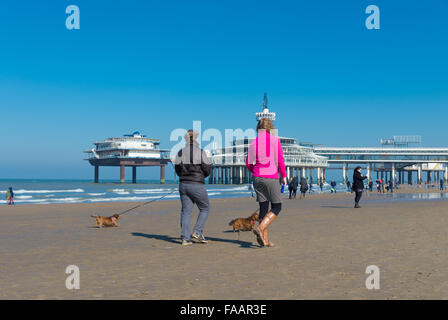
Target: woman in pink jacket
{"type": "Point", "coordinates": [265, 161]}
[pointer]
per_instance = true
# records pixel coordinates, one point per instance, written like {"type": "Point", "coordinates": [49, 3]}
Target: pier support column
{"type": "Point", "coordinates": [368, 173]}
{"type": "Point", "coordinates": [220, 175]}
{"type": "Point", "coordinates": [241, 175]}
{"type": "Point", "coordinates": [344, 179]}
{"type": "Point", "coordinates": [121, 173]}
{"type": "Point", "coordinates": [419, 173]}
{"type": "Point", "coordinates": [97, 174]}
{"type": "Point", "coordinates": [318, 175]}
{"type": "Point", "coordinates": [445, 174]}
{"type": "Point", "coordinates": [311, 175]}
{"type": "Point", "coordinates": [392, 174]}
{"type": "Point", "coordinates": [324, 174]}
{"type": "Point", "coordinates": [162, 174]}
{"type": "Point", "coordinates": [134, 174]}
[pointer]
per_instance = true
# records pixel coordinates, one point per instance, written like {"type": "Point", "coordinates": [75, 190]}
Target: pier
{"type": "Point", "coordinates": [399, 163]}
{"type": "Point", "coordinates": [131, 150]}
{"type": "Point", "coordinates": [129, 162]}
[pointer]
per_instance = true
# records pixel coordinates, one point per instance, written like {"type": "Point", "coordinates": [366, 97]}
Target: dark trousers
{"type": "Point", "coordinates": [358, 196]}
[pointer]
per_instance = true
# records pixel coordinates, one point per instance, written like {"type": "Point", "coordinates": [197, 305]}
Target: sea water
{"type": "Point", "coordinates": [85, 191]}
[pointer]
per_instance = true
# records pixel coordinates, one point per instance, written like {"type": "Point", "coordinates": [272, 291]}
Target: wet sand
{"type": "Point", "coordinates": [323, 248]}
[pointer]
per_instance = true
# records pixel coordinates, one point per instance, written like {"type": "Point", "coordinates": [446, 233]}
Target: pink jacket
{"type": "Point", "coordinates": [265, 157]}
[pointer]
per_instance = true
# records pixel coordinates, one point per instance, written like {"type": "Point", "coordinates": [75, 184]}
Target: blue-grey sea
{"type": "Point", "coordinates": [41, 191]}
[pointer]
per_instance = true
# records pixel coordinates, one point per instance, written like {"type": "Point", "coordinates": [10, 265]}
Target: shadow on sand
{"type": "Point", "coordinates": [336, 207]}
{"type": "Point", "coordinates": [243, 244]}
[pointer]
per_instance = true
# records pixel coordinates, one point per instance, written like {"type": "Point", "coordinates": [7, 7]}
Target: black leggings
{"type": "Point", "coordinates": [358, 196]}
{"type": "Point", "coordinates": [264, 209]}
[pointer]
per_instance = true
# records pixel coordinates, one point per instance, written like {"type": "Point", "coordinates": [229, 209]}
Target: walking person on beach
{"type": "Point", "coordinates": [321, 185]}
{"type": "Point", "coordinates": [9, 196]}
{"type": "Point", "coordinates": [358, 185]}
{"type": "Point", "coordinates": [303, 187]}
{"type": "Point", "coordinates": [441, 184]}
{"type": "Point", "coordinates": [333, 186]}
{"type": "Point", "coordinates": [292, 186]}
{"type": "Point", "coordinates": [265, 161]}
{"type": "Point", "coordinates": [192, 166]}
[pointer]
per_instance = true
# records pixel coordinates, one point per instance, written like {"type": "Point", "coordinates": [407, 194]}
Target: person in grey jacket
{"type": "Point", "coordinates": [192, 166]}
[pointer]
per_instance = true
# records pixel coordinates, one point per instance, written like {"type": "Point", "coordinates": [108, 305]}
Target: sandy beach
{"type": "Point", "coordinates": [323, 248]}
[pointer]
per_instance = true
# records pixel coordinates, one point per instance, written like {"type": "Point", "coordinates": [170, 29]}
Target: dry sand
{"type": "Point", "coordinates": [323, 248]}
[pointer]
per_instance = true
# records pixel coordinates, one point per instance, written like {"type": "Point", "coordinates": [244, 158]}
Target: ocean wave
{"type": "Point", "coordinates": [230, 189]}
{"type": "Point", "coordinates": [97, 194]}
{"type": "Point", "coordinates": [146, 191]}
{"type": "Point", "coordinates": [22, 197]}
{"type": "Point", "coordinates": [25, 191]}
{"type": "Point", "coordinates": [134, 198]}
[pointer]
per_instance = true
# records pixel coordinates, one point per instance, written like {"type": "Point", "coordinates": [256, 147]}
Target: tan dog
{"type": "Point", "coordinates": [106, 221]}
{"type": "Point", "coordinates": [244, 223]}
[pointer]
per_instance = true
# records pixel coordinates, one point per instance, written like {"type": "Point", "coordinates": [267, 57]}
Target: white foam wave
{"type": "Point", "coordinates": [22, 197]}
{"type": "Point", "coordinates": [25, 191]}
{"type": "Point", "coordinates": [149, 191]}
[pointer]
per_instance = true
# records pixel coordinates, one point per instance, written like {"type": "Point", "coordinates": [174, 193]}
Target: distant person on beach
{"type": "Point", "coordinates": [333, 186]}
{"type": "Point", "coordinates": [358, 185]}
{"type": "Point", "coordinates": [441, 184]}
{"type": "Point", "coordinates": [251, 189]}
{"type": "Point", "coordinates": [303, 187]}
{"type": "Point", "coordinates": [391, 186]}
{"type": "Point", "coordinates": [192, 166]}
{"type": "Point", "coordinates": [265, 161]}
{"type": "Point", "coordinates": [321, 185]}
{"type": "Point", "coordinates": [292, 187]}
{"type": "Point", "coordinates": [370, 186]}
{"type": "Point", "coordinates": [311, 187]}
{"type": "Point", "coordinates": [9, 196]}
{"type": "Point", "coordinates": [348, 186]}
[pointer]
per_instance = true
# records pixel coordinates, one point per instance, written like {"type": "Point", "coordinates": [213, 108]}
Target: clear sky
{"type": "Point", "coordinates": [154, 66]}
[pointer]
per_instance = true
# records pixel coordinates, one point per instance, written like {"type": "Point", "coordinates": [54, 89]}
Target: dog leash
{"type": "Point", "coordinates": [147, 202]}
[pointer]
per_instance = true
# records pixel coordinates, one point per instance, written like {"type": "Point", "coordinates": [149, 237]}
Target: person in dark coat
{"type": "Point", "coordinates": [358, 185]}
{"type": "Point", "coordinates": [333, 186]}
{"type": "Point", "coordinates": [192, 166]}
{"type": "Point", "coordinates": [303, 187]}
{"type": "Point", "coordinates": [293, 185]}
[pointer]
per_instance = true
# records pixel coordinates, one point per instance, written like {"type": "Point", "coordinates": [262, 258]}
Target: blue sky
{"type": "Point", "coordinates": [154, 66]}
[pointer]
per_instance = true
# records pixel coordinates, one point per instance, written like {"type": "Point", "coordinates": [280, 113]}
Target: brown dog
{"type": "Point", "coordinates": [106, 221]}
{"type": "Point", "coordinates": [244, 223]}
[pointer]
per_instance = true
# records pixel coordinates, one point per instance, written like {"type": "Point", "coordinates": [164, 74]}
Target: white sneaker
{"type": "Point", "coordinates": [186, 242]}
{"type": "Point", "coordinates": [199, 237]}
